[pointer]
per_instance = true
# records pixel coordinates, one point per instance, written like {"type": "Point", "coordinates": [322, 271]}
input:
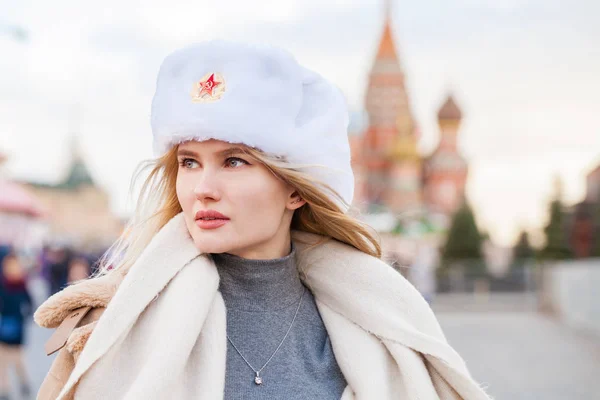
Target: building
{"type": "Point", "coordinates": [390, 160]}
{"type": "Point", "coordinates": [584, 219]}
{"type": "Point", "coordinates": [78, 210]}
{"type": "Point", "coordinates": [445, 170]}
{"type": "Point", "coordinates": [392, 176]}
{"type": "Point", "coordinates": [407, 196]}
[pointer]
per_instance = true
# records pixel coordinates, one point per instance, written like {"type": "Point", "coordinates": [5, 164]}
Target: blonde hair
{"type": "Point", "coordinates": [158, 203]}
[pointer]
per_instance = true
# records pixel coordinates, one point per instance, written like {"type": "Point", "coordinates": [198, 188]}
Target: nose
{"type": "Point", "coordinates": [206, 188]}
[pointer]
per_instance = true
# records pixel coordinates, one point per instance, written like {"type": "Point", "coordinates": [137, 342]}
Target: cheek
{"type": "Point", "coordinates": [259, 199]}
{"type": "Point", "coordinates": [185, 194]}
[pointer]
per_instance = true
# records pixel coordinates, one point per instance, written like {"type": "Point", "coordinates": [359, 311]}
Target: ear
{"type": "Point", "coordinates": [295, 201]}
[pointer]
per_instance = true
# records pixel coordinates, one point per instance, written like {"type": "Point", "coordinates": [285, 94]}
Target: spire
{"type": "Point", "coordinates": [449, 110]}
{"type": "Point", "coordinates": [387, 9]}
{"type": "Point", "coordinates": [386, 45]}
{"type": "Point", "coordinates": [78, 173]}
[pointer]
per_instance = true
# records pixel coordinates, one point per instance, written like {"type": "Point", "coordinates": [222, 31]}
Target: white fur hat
{"type": "Point", "coordinates": [259, 96]}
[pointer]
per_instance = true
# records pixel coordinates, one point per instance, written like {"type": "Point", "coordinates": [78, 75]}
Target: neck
{"type": "Point", "coordinates": [276, 247]}
{"type": "Point", "coordinates": [258, 285]}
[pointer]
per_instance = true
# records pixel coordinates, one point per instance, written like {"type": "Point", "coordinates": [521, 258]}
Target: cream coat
{"type": "Point", "coordinates": [162, 334]}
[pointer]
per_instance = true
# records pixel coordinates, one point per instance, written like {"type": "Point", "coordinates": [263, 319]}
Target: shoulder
{"type": "Point", "coordinates": [74, 311]}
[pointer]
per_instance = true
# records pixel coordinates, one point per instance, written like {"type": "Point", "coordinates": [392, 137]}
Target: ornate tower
{"type": "Point", "coordinates": [445, 170]}
{"type": "Point", "coordinates": [389, 153]}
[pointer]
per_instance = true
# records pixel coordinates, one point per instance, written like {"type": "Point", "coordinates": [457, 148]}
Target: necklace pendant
{"type": "Point", "coordinates": [258, 380]}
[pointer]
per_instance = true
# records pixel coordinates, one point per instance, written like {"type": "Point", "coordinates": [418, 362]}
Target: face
{"type": "Point", "coordinates": [12, 268]}
{"type": "Point", "coordinates": [232, 203]}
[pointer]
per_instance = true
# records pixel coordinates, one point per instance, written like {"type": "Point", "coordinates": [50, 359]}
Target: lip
{"type": "Point", "coordinates": [210, 214]}
{"type": "Point", "coordinates": [219, 220]}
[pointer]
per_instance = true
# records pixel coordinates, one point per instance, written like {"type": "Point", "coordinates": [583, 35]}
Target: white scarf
{"type": "Point", "coordinates": [163, 334]}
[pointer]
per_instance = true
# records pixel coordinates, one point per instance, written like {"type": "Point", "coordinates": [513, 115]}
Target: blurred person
{"type": "Point", "coordinates": [15, 308]}
{"type": "Point", "coordinates": [242, 273]}
{"type": "Point", "coordinates": [58, 258]}
{"type": "Point", "coordinates": [4, 251]}
{"type": "Point", "coordinates": [79, 269]}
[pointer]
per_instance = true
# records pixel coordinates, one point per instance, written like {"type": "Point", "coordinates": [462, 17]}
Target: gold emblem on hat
{"type": "Point", "coordinates": [208, 89]}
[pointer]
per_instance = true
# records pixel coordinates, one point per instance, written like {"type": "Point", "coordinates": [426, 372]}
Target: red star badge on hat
{"type": "Point", "coordinates": [210, 88]}
{"type": "Point", "coordinates": [208, 85]}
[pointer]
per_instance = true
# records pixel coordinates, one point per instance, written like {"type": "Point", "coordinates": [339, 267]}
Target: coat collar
{"type": "Point", "coordinates": [355, 285]}
{"type": "Point", "coordinates": [323, 263]}
{"type": "Point", "coordinates": [169, 251]}
{"type": "Point", "coordinates": [125, 296]}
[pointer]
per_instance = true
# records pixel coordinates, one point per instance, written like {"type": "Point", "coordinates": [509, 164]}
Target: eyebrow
{"type": "Point", "coordinates": [223, 153]}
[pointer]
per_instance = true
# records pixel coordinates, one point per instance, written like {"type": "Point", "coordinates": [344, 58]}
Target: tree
{"type": "Point", "coordinates": [556, 247]}
{"type": "Point", "coordinates": [522, 250]}
{"type": "Point", "coordinates": [485, 236]}
{"type": "Point", "coordinates": [464, 239]}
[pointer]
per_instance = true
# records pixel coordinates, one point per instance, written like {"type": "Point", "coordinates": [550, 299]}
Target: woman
{"type": "Point", "coordinates": [242, 274]}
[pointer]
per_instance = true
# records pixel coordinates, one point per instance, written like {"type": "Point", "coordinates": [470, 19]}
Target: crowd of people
{"type": "Point", "coordinates": [58, 266]}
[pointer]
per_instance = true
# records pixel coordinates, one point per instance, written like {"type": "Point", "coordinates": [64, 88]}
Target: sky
{"type": "Point", "coordinates": [525, 73]}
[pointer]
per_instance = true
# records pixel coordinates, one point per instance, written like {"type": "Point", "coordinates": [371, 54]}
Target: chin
{"type": "Point", "coordinates": [209, 240]}
{"type": "Point", "coordinates": [212, 241]}
{"type": "Point", "coordinates": [210, 248]}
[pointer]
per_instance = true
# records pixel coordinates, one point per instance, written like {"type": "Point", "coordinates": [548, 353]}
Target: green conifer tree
{"type": "Point", "coordinates": [557, 247]}
{"type": "Point", "coordinates": [464, 240]}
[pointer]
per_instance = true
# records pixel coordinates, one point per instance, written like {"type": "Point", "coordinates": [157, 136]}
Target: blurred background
{"type": "Point", "coordinates": [476, 149]}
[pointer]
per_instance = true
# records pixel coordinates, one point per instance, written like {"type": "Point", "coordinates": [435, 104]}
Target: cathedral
{"type": "Point", "coordinates": [392, 176]}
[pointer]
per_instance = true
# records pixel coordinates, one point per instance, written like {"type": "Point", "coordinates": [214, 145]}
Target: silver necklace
{"type": "Point", "coordinates": [258, 379]}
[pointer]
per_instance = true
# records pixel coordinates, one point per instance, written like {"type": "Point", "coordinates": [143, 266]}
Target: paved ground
{"type": "Point", "coordinates": [518, 355]}
{"type": "Point", "coordinates": [525, 355]}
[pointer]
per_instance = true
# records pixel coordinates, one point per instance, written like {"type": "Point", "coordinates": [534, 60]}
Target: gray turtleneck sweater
{"type": "Point", "coordinates": [261, 297]}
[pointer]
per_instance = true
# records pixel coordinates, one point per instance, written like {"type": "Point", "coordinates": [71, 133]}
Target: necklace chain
{"type": "Point", "coordinates": [258, 378]}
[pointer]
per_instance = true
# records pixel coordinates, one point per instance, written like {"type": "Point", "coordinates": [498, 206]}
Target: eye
{"type": "Point", "coordinates": [188, 163]}
{"type": "Point", "coordinates": [235, 162]}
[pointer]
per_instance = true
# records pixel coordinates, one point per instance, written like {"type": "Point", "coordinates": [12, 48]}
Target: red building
{"type": "Point", "coordinates": [388, 149]}
{"type": "Point", "coordinates": [391, 174]}
{"type": "Point", "coordinates": [584, 225]}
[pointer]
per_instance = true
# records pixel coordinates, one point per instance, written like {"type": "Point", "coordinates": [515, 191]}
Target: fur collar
{"type": "Point", "coordinates": [379, 325]}
{"type": "Point", "coordinates": [96, 292]}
